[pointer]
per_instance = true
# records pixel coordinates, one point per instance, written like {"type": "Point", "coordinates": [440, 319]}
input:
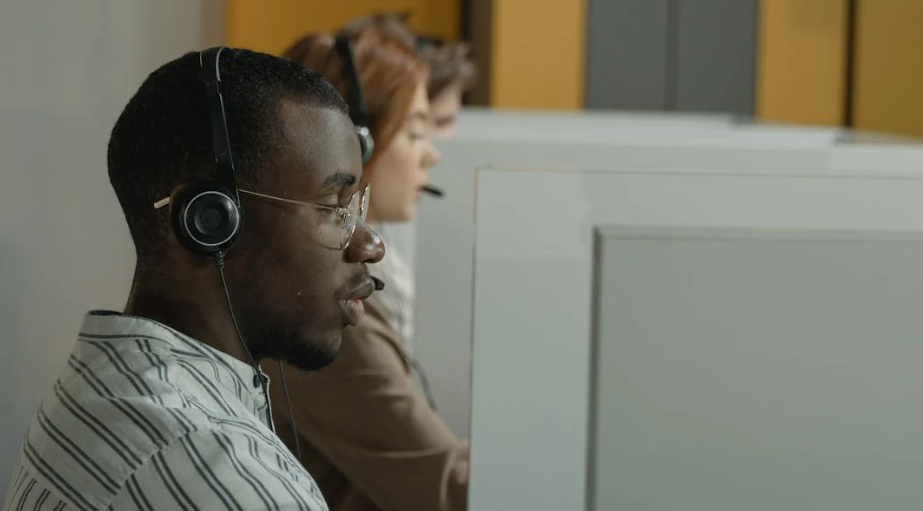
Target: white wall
{"type": "Point", "coordinates": [66, 70]}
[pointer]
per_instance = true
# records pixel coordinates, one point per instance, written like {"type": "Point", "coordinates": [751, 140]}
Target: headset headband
{"type": "Point", "coordinates": [224, 163]}
{"type": "Point", "coordinates": [358, 110]}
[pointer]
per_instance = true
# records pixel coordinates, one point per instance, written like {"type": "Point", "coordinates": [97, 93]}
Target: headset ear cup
{"type": "Point", "coordinates": [206, 219]}
{"type": "Point", "coordinates": [366, 143]}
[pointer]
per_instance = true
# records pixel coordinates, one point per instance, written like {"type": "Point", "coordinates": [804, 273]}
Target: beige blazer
{"type": "Point", "coordinates": [367, 434]}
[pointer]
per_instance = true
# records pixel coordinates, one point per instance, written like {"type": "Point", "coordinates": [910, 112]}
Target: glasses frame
{"type": "Point", "coordinates": [360, 196]}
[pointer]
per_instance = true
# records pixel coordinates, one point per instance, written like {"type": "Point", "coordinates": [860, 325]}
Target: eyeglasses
{"type": "Point", "coordinates": [336, 228]}
{"type": "Point", "coordinates": [336, 231]}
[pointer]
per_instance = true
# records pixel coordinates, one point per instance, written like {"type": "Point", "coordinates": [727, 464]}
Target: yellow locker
{"type": "Point", "coordinates": [272, 25]}
{"type": "Point", "coordinates": [888, 80]}
{"type": "Point", "coordinates": [802, 61]}
{"type": "Point", "coordinates": [538, 54]}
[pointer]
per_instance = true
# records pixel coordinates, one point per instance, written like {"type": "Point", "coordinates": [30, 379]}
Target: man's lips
{"type": "Point", "coordinates": [353, 309]}
{"type": "Point", "coordinates": [351, 302]}
{"type": "Point", "coordinates": [361, 291]}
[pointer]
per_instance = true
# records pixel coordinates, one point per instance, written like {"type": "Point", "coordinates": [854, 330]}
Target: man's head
{"type": "Point", "coordinates": [452, 74]}
{"type": "Point", "coordinates": [291, 138]}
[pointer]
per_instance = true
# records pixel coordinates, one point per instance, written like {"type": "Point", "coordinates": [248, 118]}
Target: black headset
{"type": "Point", "coordinates": [206, 215]}
{"type": "Point", "coordinates": [358, 111]}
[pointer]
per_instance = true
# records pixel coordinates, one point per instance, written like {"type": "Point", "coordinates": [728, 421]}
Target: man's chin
{"type": "Point", "coordinates": [312, 355]}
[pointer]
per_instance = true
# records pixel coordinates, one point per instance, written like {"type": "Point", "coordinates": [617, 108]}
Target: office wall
{"type": "Point", "coordinates": [851, 63]}
{"type": "Point", "coordinates": [715, 48]}
{"type": "Point", "coordinates": [627, 54]}
{"type": "Point", "coordinates": [479, 33]}
{"type": "Point", "coordinates": [537, 50]}
{"type": "Point", "coordinates": [888, 76]}
{"type": "Point", "coordinates": [802, 61]}
{"type": "Point", "coordinates": [272, 25]}
{"type": "Point", "coordinates": [671, 55]}
{"type": "Point", "coordinates": [68, 69]}
{"type": "Point", "coordinates": [818, 62]}
{"type": "Point", "coordinates": [842, 62]}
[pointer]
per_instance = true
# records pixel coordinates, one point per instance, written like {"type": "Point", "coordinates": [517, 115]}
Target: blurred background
{"type": "Point", "coordinates": [853, 63]}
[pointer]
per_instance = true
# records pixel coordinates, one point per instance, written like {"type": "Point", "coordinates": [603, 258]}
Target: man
{"type": "Point", "coordinates": [362, 426]}
{"type": "Point", "coordinates": [452, 74]}
{"type": "Point", "coordinates": [162, 406]}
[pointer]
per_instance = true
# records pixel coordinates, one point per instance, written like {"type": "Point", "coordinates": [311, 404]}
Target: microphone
{"type": "Point", "coordinates": [379, 284]}
{"type": "Point", "coordinates": [432, 190]}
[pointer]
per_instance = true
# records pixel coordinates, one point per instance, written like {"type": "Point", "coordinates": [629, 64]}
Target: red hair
{"type": "Point", "coordinates": [389, 72]}
{"type": "Point", "coordinates": [450, 62]}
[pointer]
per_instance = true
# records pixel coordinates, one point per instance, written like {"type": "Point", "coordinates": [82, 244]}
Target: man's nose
{"type": "Point", "coordinates": [366, 246]}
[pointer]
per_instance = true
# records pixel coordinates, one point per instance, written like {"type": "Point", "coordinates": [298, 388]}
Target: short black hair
{"type": "Point", "coordinates": [162, 138]}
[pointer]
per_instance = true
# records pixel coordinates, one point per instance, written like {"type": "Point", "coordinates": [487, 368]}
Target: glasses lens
{"type": "Point", "coordinates": [356, 210]}
{"type": "Point", "coordinates": [364, 203]}
{"type": "Point", "coordinates": [352, 217]}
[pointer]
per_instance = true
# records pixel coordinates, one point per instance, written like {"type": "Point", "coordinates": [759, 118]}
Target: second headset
{"type": "Point", "coordinates": [358, 110]}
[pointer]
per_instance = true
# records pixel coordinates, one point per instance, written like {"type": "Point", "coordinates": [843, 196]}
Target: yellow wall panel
{"type": "Point", "coordinates": [801, 61]}
{"type": "Point", "coordinates": [272, 25]}
{"type": "Point", "coordinates": [888, 93]}
{"type": "Point", "coordinates": [538, 54]}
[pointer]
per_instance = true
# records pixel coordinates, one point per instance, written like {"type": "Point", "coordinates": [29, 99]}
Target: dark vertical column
{"type": "Point", "coordinates": [627, 54]}
{"type": "Point", "coordinates": [715, 49]}
{"type": "Point", "coordinates": [479, 19]}
{"type": "Point", "coordinates": [849, 70]}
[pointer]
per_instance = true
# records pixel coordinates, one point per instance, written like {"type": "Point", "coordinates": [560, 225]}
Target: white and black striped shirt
{"type": "Point", "coordinates": [145, 418]}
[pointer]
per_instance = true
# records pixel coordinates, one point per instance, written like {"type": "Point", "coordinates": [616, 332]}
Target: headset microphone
{"type": "Point", "coordinates": [379, 284]}
{"type": "Point", "coordinates": [432, 190]}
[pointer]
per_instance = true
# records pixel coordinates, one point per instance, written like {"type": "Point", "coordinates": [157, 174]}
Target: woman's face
{"type": "Point", "coordinates": [401, 170]}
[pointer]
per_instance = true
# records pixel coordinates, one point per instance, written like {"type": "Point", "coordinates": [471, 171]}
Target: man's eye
{"type": "Point", "coordinates": [330, 212]}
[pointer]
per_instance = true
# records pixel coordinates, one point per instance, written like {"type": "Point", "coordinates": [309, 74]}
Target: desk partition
{"type": "Point", "coordinates": [697, 340]}
{"type": "Point", "coordinates": [440, 241]}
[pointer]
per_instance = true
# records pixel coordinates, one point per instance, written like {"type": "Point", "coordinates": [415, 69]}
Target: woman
{"type": "Point", "coordinates": [452, 73]}
{"type": "Point", "coordinates": [364, 429]}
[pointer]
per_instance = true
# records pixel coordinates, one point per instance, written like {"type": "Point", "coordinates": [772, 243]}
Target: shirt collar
{"type": "Point", "coordinates": [106, 322]}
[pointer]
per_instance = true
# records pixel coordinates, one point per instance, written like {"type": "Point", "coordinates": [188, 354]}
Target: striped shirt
{"type": "Point", "coordinates": [146, 418]}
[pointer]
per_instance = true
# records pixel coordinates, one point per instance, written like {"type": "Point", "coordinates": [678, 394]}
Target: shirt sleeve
{"type": "Point", "coordinates": [220, 469]}
{"type": "Point", "coordinates": [366, 415]}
